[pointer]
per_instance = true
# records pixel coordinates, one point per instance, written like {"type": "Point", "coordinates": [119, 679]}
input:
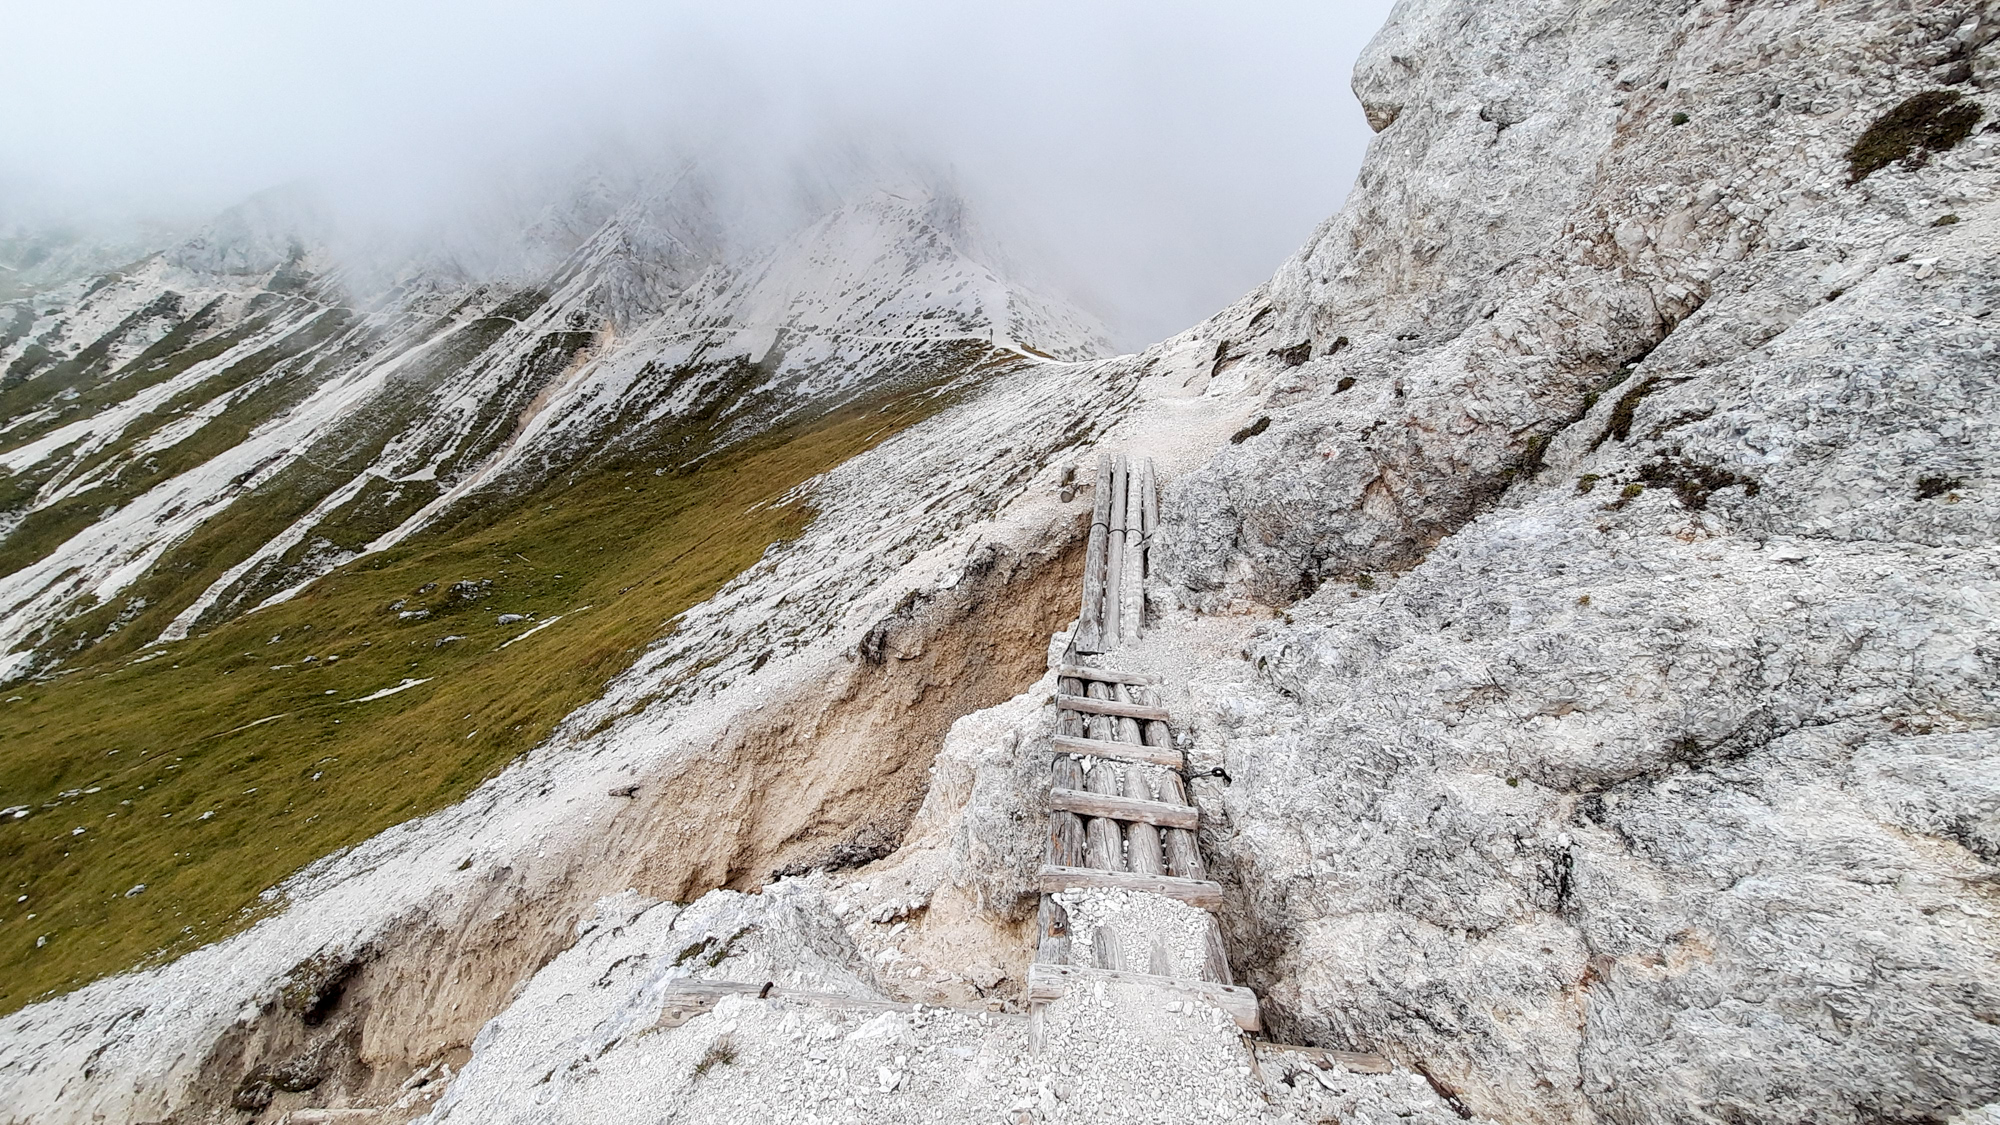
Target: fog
{"type": "Point", "coordinates": [1151, 160]}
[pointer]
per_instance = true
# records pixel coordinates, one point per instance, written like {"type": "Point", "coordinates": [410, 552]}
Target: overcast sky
{"type": "Point", "coordinates": [1156, 158]}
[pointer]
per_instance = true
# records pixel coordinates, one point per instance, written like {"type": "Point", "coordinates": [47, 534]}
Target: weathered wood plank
{"type": "Point", "coordinates": [1090, 621]}
{"type": "Point", "coordinates": [1194, 892]}
{"type": "Point", "coordinates": [1132, 583]}
{"type": "Point", "coordinates": [1069, 722]}
{"type": "Point", "coordinates": [1215, 961]}
{"type": "Point", "coordinates": [1184, 855]}
{"type": "Point", "coordinates": [1114, 557]}
{"type": "Point", "coordinates": [1118, 751]}
{"type": "Point", "coordinates": [1360, 1062]}
{"type": "Point", "coordinates": [1085, 803]}
{"type": "Point", "coordinates": [1142, 840]}
{"type": "Point", "coordinates": [1149, 511]}
{"type": "Point", "coordinates": [1091, 706]}
{"type": "Point", "coordinates": [1104, 949]}
{"type": "Point", "coordinates": [692, 998]}
{"type": "Point", "coordinates": [1053, 923]}
{"type": "Point", "coordinates": [1104, 844]}
{"type": "Point", "coordinates": [1049, 983]}
{"type": "Point", "coordinates": [1105, 675]}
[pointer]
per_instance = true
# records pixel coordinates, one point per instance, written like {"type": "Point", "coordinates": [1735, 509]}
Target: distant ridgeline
{"type": "Point", "coordinates": [456, 509]}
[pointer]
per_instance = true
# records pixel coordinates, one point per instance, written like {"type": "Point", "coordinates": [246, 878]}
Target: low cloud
{"type": "Point", "coordinates": [1153, 159]}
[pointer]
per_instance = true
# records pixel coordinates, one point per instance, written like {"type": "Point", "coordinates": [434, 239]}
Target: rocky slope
{"type": "Point", "coordinates": [1580, 558]}
{"type": "Point", "coordinates": [233, 379]}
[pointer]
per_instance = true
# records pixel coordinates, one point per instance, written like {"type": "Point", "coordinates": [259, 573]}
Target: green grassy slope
{"type": "Point", "coordinates": [211, 769]}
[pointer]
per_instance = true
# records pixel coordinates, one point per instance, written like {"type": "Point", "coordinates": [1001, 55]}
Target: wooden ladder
{"type": "Point", "coordinates": [1120, 818]}
{"type": "Point", "coordinates": [1125, 509]}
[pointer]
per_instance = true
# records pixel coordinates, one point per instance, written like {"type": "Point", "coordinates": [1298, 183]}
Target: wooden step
{"type": "Point", "coordinates": [1194, 892]}
{"type": "Point", "coordinates": [1110, 707]}
{"type": "Point", "coordinates": [1106, 675]}
{"type": "Point", "coordinates": [1360, 1062]}
{"type": "Point", "coordinates": [1124, 808]}
{"type": "Point", "coordinates": [1048, 983]}
{"type": "Point", "coordinates": [690, 998]}
{"type": "Point", "coordinates": [1121, 751]}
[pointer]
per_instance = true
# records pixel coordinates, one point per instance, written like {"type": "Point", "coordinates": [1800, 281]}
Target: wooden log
{"type": "Point", "coordinates": [1053, 923]}
{"type": "Point", "coordinates": [1360, 1062]}
{"type": "Point", "coordinates": [1132, 584]}
{"type": "Point", "coordinates": [1103, 844]}
{"type": "Point", "coordinates": [1143, 853]}
{"type": "Point", "coordinates": [1119, 751]}
{"type": "Point", "coordinates": [1104, 949]}
{"type": "Point", "coordinates": [1184, 854]}
{"type": "Point", "coordinates": [1066, 840]}
{"type": "Point", "coordinates": [1194, 892]}
{"type": "Point", "coordinates": [1067, 773]}
{"type": "Point", "coordinates": [1105, 675]}
{"type": "Point", "coordinates": [691, 998]}
{"type": "Point", "coordinates": [1091, 706]}
{"type": "Point", "coordinates": [1183, 846]}
{"type": "Point", "coordinates": [1069, 722]}
{"type": "Point", "coordinates": [1119, 807]}
{"type": "Point", "coordinates": [1098, 725]}
{"type": "Point", "coordinates": [1090, 621]}
{"type": "Point", "coordinates": [1149, 512]}
{"type": "Point", "coordinates": [1114, 557]}
{"type": "Point", "coordinates": [1049, 983]}
{"type": "Point", "coordinates": [1215, 960]}
{"type": "Point", "coordinates": [1128, 728]}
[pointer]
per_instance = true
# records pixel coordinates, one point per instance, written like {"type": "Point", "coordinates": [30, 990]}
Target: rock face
{"type": "Point", "coordinates": [1581, 560]}
{"type": "Point", "coordinates": [1627, 749]}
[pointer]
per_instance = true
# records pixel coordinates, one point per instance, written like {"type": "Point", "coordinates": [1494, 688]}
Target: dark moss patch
{"type": "Point", "coordinates": [1932, 487]}
{"type": "Point", "coordinates": [1586, 482]}
{"type": "Point", "coordinates": [1693, 482]}
{"type": "Point", "coordinates": [1679, 118]}
{"type": "Point", "coordinates": [1620, 425]}
{"type": "Point", "coordinates": [1250, 431]}
{"type": "Point", "coordinates": [1933, 121]}
{"type": "Point", "coordinates": [1626, 495]}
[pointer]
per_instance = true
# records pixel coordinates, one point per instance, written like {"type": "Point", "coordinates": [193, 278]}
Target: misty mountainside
{"type": "Point", "coordinates": [1573, 597]}
{"type": "Point", "coordinates": [290, 556]}
{"type": "Point", "coordinates": [219, 423]}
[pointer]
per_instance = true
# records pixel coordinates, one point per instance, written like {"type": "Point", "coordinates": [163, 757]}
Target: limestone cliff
{"type": "Point", "coordinates": [1580, 559]}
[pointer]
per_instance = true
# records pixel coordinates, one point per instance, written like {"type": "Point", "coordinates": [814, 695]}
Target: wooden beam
{"type": "Point", "coordinates": [1091, 706]}
{"type": "Point", "coordinates": [1118, 751]}
{"type": "Point", "coordinates": [1106, 675]}
{"type": "Point", "coordinates": [1129, 809]}
{"type": "Point", "coordinates": [1142, 838]}
{"type": "Point", "coordinates": [1149, 513]}
{"type": "Point", "coordinates": [1048, 983]}
{"type": "Point", "coordinates": [1114, 558]}
{"type": "Point", "coordinates": [1194, 892]}
{"type": "Point", "coordinates": [1090, 622]}
{"type": "Point", "coordinates": [1360, 1062]}
{"type": "Point", "coordinates": [1132, 591]}
{"type": "Point", "coordinates": [1103, 844]}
